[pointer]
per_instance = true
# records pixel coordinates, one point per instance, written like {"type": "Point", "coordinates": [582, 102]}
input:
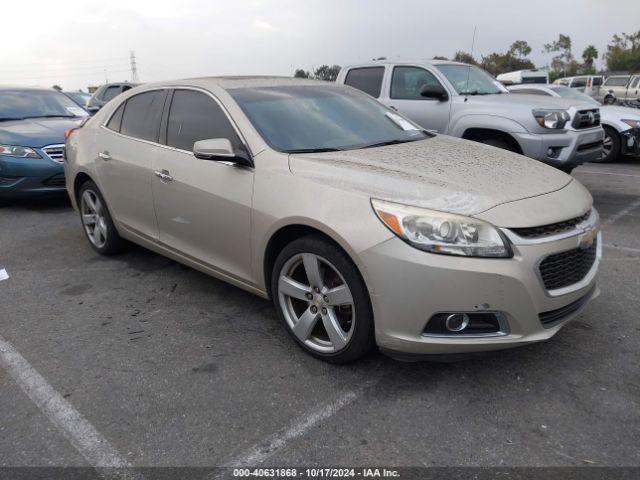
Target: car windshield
{"type": "Point", "coordinates": [572, 94]}
{"type": "Point", "coordinates": [23, 103]}
{"type": "Point", "coordinates": [470, 80]}
{"type": "Point", "coordinates": [299, 118]}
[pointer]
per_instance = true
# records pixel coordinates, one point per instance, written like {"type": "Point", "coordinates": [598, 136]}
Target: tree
{"type": "Point", "coordinates": [589, 55]}
{"type": "Point", "coordinates": [327, 73]}
{"type": "Point", "coordinates": [300, 73]}
{"type": "Point", "coordinates": [623, 53]}
{"type": "Point", "coordinates": [520, 49]}
{"type": "Point", "coordinates": [562, 49]}
{"type": "Point", "coordinates": [438, 57]}
{"type": "Point", "coordinates": [464, 57]}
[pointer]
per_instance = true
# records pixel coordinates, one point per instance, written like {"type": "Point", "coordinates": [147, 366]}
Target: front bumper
{"type": "Point", "coordinates": [26, 177]}
{"type": "Point", "coordinates": [409, 286]}
{"type": "Point", "coordinates": [570, 148]}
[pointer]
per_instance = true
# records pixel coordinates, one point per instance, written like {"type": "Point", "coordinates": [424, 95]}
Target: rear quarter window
{"type": "Point", "coordinates": [367, 79]}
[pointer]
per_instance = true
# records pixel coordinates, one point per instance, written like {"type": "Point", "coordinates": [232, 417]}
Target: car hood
{"type": "Point", "coordinates": [36, 132]}
{"type": "Point", "coordinates": [440, 173]}
{"type": "Point", "coordinates": [529, 101]}
{"type": "Point", "coordinates": [620, 112]}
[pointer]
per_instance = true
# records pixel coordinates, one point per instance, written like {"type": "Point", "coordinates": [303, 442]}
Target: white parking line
{"type": "Point", "coordinates": [268, 447]}
{"type": "Point", "coordinates": [3, 275]}
{"type": "Point", "coordinates": [616, 216]}
{"type": "Point", "coordinates": [622, 248]}
{"type": "Point", "coordinates": [83, 436]}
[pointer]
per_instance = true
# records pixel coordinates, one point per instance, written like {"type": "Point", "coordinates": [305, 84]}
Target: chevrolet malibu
{"type": "Point", "coordinates": [361, 227]}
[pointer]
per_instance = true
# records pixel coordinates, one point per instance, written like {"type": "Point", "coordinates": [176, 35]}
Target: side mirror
{"type": "Point", "coordinates": [434, 91]}
{"type": "Point", "coordinates": [220, 150]}
{"type": "Point", "coordinates": [93, 110]}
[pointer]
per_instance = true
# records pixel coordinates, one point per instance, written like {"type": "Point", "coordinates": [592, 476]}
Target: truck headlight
{"type": "Point", "coordinates": [440, 232]}
{"type": "Point", "coordinates": [554, 119]}
{"type": "Point", "coordinates": [15, 151]}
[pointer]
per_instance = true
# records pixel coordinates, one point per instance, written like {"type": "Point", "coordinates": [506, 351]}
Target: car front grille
{"type": "Point", "coordinates": [57, 180]}
{"type": "Point", "coordinates": [553, 317]}
{"type": "Point", "coordinates": [586, 119]}
{"type": "Point", "coordinates": [567, 268]}
{"type": "Point", "coordinates": [551, 229]}
{"type": "Point", "coordinates": [55, 152]}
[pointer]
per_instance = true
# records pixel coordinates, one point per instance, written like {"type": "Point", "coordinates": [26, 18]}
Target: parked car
{"type": "Point", "coordinates": [33, 122]}
{"type": "Point", "coordinates": [464, 101]}
{"type": "Point", "coordinates": [621, 124]}
{"type": "Point", "coordinates": [618, 87]}
{"type": "Point", "coordinates": [588, 84]}
{"type": "Point", "coordinates": [523, 76]}
{"type": "Point", "coordinates": [81, 98]}
{"type": "Point", "coordinates": [354, 220]}
{"type": "Point", "coordinates": [105, 93]}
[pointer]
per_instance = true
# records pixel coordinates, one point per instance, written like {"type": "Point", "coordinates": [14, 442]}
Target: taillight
{"type": "Point", "coordinates": [67, 134]}
{"type": "Point", "coordinates": [588, 82]}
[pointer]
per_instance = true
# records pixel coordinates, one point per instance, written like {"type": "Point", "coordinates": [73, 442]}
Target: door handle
{"type": "Point", "coordinates": [104, 155]}
{"type": "Point", "coordinates": [393, 108]}
{"type": "Point", "coordinates": [163, 175]}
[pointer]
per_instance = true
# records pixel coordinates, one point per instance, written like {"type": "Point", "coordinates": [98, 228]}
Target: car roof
{"type": "Point", "coordinates": [408, 61]}
{"type": "Point", "coordinates": [247, 81]}
{"type": "Point", "coordinates": [22, 87]}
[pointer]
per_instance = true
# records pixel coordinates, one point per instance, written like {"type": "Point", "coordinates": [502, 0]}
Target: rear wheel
{"type": "Point", "coordinates": [96, 220]}
{"type": "Point", "coordinates": [322, 300]}
{"type": "Point", "coordinates": [610, 146]}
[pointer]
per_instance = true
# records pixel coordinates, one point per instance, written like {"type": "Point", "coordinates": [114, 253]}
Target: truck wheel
{"type": "Point", "coordinates": [499, 143]}
{"type": "Point", "coordinates": [610, 147]}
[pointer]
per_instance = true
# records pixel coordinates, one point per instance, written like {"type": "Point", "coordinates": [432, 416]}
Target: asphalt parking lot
{"type": "Point", "coordinates": [172, 368]}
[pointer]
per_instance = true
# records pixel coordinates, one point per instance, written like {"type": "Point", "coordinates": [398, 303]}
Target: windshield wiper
{"type": "Point", "coordinates": [313, 150]}
{"type": "Point", "coordinates": [8, 119]}
{"type": "Point", "coordinates": [389, 142]}
{"type": "Point", "coordinates": [51, 116]}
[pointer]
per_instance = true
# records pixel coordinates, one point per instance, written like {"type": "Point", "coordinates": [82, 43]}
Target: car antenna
{"type": "Point", "coordinates": [473, 43]}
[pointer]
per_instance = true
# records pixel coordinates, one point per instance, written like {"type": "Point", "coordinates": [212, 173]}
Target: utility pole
{"type": "Point", "coordinates": [134, 67]}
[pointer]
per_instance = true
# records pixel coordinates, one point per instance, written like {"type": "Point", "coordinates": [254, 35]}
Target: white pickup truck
{"type": "Point", "coordinates": [619, 88]}
{"type": "Point", "coordinates": [464, 101]}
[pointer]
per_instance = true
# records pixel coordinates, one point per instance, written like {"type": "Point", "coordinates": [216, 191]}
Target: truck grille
{"type": "Point", "coordinates": [55, 181]}
{"type": "Point", "coordinates": [55, 152]}
{"type": "Point", "coordinates": [567, 268]}
{"type": "Point", "coordinates": [586, 119]}
{"type": "Point", "coordinates": [551, 229]}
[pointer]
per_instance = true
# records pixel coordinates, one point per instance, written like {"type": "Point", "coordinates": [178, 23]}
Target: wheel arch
{"type": "Point", "coordinates": [481, 133]}
{"type": "Point", "coordinates": [285, 234]}
{"type": "Point", "coordinates": [78, 181]}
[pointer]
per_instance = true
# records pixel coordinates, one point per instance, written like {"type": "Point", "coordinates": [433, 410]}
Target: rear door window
{"type": "Point", "coordinates": [195, 116]}
{"type": "Point", "coordinates": [407, 82]}
{"type": "Point", "coordinates": [142, 112]}
{"type": "Point", "coordinates": [368, 79]}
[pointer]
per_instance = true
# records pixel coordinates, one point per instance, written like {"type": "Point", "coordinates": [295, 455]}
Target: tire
{"type": "Point", "coordinates": [99, 230]}
{"type": "Point", "coordinates": [499, 143]}
{"type": "Point", "coordinates": [327, 321]}
{"type": "Point", "coordinates": [609, 100]}
{"type": "Point", "coordinates": [611, 147]}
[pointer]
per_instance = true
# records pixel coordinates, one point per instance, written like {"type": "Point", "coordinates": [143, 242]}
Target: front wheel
{"type": "Point", "coordinates": [609, 100]}
{"type": "Point", "coordinates": [97, 222]}
{"type": "Point", "coordinates": [610, 146]}
{"type": "Point", "coordinates": [322, 300]}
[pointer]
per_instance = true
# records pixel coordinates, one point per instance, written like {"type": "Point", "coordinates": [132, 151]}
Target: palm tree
{"type": "Point", "coordinates": [589, 55]}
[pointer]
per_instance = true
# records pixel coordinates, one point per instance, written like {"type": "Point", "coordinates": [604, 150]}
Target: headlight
{"type": "Point", "coordinates": [15, 151]}
{"type": "Point", "coordinates": [632, 123]}
{"type": "Point", "coordinates": [440, 232]}
{"type": "Point", "coordinates": [555, 119]}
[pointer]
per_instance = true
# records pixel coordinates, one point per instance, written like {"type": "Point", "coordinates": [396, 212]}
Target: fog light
{"type": "Point", "coordinates": [456, 322]}
{"type": "Point", "coordinates": [553, 152]}
{"type": "Point", "coordinates": [461, 324]}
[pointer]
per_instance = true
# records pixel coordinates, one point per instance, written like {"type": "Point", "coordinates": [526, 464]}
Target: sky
{"type": "Point", "coordinates": [77, 43]}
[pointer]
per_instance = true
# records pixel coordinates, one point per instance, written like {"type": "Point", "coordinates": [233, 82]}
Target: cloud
{"type": "Point", "coordinates": [262, 25]}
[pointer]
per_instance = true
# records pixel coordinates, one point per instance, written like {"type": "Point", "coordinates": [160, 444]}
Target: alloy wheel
{"type": "Point", "coordinates": [93, 218]}
{"type": "Point", "coordinates": [316, 302]}
{"type": "Point", "coordinates": [607, 146]}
